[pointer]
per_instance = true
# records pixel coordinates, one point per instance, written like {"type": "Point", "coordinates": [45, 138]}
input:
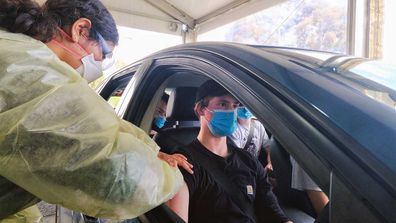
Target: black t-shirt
{"type": "Point", "coordinates": [209, 202]}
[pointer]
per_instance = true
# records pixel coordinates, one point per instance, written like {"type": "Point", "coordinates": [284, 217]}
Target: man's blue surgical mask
{"type": "Point", "coordinates": [223, 122]}
{"type": "Point", "coordinates": [244, 113]}
{"type": "Point", "coordinates": [160, 121]}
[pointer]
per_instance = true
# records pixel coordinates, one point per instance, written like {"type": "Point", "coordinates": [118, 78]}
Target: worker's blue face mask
{"type": "Point", "coordinates": [244, 113]}
{"type": "Point", "coordinates": [223, 122]}
{"type": "Point", "coordinates": [159, 121]}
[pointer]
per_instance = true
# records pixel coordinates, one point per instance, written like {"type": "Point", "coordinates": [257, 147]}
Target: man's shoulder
{"type": "Point", "coordinates": [259, 128]}
{"type": "Point", "coordinates": [182, 150]}
{"type": "Point", "coordinates": [187, 150]}
{"type": "Point", "coordinates": [257, 124]}
{"type": "Point", "coordinates": [190, 152]}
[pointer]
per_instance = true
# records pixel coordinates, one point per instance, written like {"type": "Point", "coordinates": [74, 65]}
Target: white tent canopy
{"type": "Point", "coordinates": [168, 16]}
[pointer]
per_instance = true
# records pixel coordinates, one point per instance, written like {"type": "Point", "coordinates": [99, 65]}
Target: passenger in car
{"type": "Point", "coordinates": [250, 135]}
{"type": "Point", "coordinates": [173, 160]}
{"type": "Point", "coordinates": [160, 115]}
{"type": "Point", "coordinates": [228, 184]}
{"type": "Point", "coordinates": [301, 181]}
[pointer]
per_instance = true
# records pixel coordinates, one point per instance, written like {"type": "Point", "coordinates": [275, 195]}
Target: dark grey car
{"type": "Point", "coordinates": [336, 115]}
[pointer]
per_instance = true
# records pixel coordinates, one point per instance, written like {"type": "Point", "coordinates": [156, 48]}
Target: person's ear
{"type": "Point", "coordinates": [199, 109]}
{"type": "Point", "coordinates": [80, 28]}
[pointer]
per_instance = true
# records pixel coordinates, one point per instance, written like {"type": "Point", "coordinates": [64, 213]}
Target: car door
{"type": "Point", "coordinates": [319, 144]}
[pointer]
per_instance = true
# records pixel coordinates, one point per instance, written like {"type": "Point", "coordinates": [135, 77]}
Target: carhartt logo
{"type": "Point", "coordinates": [249, 189]}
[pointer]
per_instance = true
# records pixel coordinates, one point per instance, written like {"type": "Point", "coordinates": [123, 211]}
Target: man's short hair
{"type": "Point", "coordinates": [210, 89]}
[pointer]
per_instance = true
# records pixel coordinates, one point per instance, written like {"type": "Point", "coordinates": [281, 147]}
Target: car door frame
{"type": "Point", "coordinates": [206, 66]}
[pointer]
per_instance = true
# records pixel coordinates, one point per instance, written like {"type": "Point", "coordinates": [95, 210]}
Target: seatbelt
{"type": "Point", "coordinates": [250, 136]}
{"type": "Point", "coordinates": [218, 176]}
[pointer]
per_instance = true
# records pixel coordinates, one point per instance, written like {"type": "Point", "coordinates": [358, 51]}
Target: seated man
{"type": "Point", "coordinates": [159, 115]}
{"type": "Point", "coordinates": [250, 135]}
{"type": "Point", "coordinates": [228, 184]}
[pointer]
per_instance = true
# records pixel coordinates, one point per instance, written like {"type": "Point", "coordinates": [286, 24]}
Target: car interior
{"type": "Point", "coordinates": [183, 126]}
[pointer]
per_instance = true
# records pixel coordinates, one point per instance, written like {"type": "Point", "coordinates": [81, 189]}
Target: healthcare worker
{"type": "Point", "coordinates": [59, 141]}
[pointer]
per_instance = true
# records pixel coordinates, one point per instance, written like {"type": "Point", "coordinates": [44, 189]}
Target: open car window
{"type": "Point", "coordinates": [114, 88]}
{"type": "Point", "coordinates": [115, 96]}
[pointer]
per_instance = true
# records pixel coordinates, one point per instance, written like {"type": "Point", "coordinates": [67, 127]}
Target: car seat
{"type": "Point", "coordinates": [185, 124]}
{"type": "Point", "coordinates": [287, 196]}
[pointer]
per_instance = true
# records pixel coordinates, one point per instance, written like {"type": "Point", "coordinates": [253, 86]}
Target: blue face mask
{"type": "Point", "coordinates": [160, 121]}
{"type": "Point", "coordinates": [223, 122]}
{"type": "Point", "coordinates": [244, 113]}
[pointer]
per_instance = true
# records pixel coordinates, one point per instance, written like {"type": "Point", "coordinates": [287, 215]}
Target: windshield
{"type": "Point", "coordinates": [377, 71]}
{"type": "Point", "coordinates": [322, 56]}
{"type": "Point", "coordinates": [375, 79]}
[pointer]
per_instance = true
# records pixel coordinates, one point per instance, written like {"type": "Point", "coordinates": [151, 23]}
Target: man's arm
{"type": "Point", "coordinates": [266, 200]}
{"type": "Point", "coordinates": [179, 203]}
{"type": "Point", "coordinates": [268, 167]}
{"type": "Point", "coordinates": [265, 143]}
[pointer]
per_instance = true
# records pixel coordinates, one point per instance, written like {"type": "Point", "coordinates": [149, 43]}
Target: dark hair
{"type": "Point", "coordinates": [27, 17]}
{"type": "Point", "coordinates": [165, 98]}
{"type": "Point", "coordinates": [207, 90]}
{"type": "Point", "coordinates": [66, 12]}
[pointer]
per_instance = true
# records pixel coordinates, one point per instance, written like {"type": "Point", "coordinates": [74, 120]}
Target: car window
{"type": "Point", "coordinates": [292, 183]}
{"type": "Point", "coordinates": [115, 96]}
{"type": "Point", "coordinates": [369, 122]}
{"type": "Point", "coordinates": [360, 108]}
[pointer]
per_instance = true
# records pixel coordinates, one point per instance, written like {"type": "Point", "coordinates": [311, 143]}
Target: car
{"type": "Point", "coordinates": [335, 114]}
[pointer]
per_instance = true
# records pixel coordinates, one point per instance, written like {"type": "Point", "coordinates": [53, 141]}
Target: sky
{"type": "Point", "coordinates": [135, 44]}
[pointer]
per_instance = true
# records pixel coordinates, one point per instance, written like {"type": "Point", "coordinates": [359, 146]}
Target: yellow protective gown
{"type": "Point", "coordinates": [62, 143]}
{"type": "Point", "coordinates": [29, 215]}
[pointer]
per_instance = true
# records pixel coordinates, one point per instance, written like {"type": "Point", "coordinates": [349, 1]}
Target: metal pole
{"type": "Point", "coordinates": [351, 28]}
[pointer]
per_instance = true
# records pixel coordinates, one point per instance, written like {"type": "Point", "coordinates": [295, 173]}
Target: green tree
{"type": "Point", "coordinates": [319, 25]}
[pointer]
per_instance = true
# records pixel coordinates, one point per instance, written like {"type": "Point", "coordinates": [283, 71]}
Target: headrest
{"type": "Point", "coordinates": [181, 104]}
